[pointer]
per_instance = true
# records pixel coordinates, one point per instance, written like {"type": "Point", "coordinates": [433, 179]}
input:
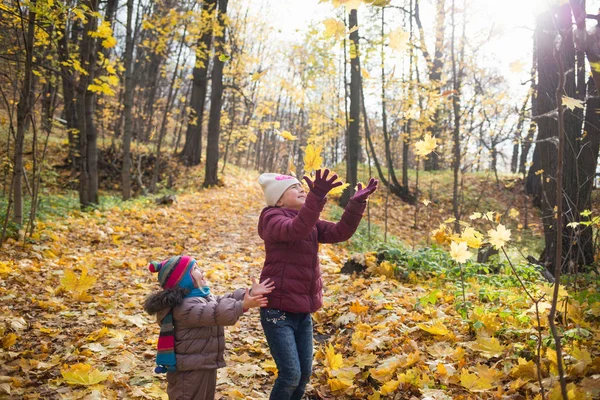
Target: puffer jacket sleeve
{"type": "Point", "coordinates": [278, 227]}
{"type": "Point", "coordinates": [330, 232]}
{"type": "Point", "coordinates": [238, 294]}
{"type": "Point", "coordinates": [220, 311]}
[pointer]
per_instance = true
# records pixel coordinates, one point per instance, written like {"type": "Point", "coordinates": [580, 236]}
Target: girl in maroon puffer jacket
{"type": "Point", "coordinates": [192, 335]}
{"type": "Point", "coordinates": [292, 231]}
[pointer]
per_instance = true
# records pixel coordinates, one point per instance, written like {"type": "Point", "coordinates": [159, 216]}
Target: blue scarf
{"type": "Point", "coordinates": [165, 358]}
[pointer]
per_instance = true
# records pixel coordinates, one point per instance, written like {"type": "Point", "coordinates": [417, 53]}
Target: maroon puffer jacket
{"type": "Point", "coordinates": [292, 251]}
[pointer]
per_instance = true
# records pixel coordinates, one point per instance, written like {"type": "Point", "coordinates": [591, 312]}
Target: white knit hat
{"type": "Point", "coordinates": [273, 185]}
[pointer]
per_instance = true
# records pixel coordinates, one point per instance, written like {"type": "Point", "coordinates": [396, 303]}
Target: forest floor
{"type": "Point", "coordinates": [72, 323]}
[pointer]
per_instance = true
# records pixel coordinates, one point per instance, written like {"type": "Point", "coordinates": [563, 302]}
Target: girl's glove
{"type": "Point", "coordinates": [361, 194]}
{"type": "Point", "coordinates": [321, 186]}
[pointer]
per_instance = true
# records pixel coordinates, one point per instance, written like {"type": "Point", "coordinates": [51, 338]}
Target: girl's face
{"type": "Point", "coordinates": [198, 277]}
{"type": "Point", "coordinates": [293, 198]}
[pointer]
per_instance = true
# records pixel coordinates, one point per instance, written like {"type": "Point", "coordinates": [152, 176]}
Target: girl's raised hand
{"type": "Point", "coordinates": [363, 194]}
{"type": "Point", "coordinates": [263, 287]}
{"type": "Point", "coordinates": [321, 185]}
{"type": "Point", "coordinates": [253, 301]}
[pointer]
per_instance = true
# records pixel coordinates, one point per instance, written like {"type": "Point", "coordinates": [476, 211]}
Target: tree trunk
{"type": "Point", "coordinates": [353, 145]}
{"type": "Point", "coordinates": [23, 113]}
{"type": "Point", "coordinates": [128, 105]}
{"type": "Point", "coordinates": [456, 85]}
{"type": "Point", "coordinates": [214, 118]}
{"type": "Point", "coordinates": [88, 178]}
{"type": "Point", "coordinates": [192, 149]}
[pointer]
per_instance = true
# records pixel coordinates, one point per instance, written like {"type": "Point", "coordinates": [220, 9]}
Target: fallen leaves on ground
{"type": "Point", "coordinates": [72, 324]}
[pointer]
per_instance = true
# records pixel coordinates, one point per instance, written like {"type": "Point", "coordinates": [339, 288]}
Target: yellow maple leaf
{"type": "Point", "coordinates": [337, 385]}
{"type": "Point", "coordinates": [459, 252]}
{"type": "Point", "coordinates": [9, 340]}
{"type": "Point", "coordinates": [257, 75]}
{"type": "Point", "coordinates": [384, 371]}
{"type": "Point", "coordinates": [475, 383]}
{"type": "Point", "coordinates": [572, 103]}
{"type": "Point", "coordinates": [78, 285]}
{"type": "Point", "coordinates": [390, 387]}
{"type": "Point", "coordinates": [399, 40]}
{"type": "Point", "coordinates": [312, 158]}
{"type": "Point", "coordinates": [155, 391]}
{"type": "Point", "coordinates": [286, 135]}
{"type": "Point", "coordinates": [83, 374]}
{"type": "Point", "coordinates": [524, 370]}
{"type": "Point", "coordinates": [516, 66]}
{"type": "Point", "coordinates": [435, 328]}
{"type": "Point", "coordinates": [513, 213]}
{"type": "Point", "coordinates": [333, 361]}
{"type": "Point", "coordinates": [584, 359]}
{"type": "Point", "coordinates": [356, 308]}
{"type": "Point", "coordinates": [425, 146]}
{"type": "Point", "coordinates": [488, 347]}
{"type": "Point", "coordinates": [334, 28]}
{"type": "Point", "coordinates": [499, 236]}
{"type": "Point", "coordinates": [472, 237]}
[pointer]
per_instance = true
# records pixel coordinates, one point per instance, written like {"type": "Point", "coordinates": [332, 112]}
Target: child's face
{"type": "Point", "coordinates": [293, 198]}
{"type": "Point", "coordinates": [198, 277]}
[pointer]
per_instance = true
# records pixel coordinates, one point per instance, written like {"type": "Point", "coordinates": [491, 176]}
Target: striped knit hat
{"type": "Point", "coordinates": [174, 272]}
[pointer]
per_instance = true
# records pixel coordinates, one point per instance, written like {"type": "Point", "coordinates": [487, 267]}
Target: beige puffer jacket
{"type": "Point", "coordinates": [199, 329]}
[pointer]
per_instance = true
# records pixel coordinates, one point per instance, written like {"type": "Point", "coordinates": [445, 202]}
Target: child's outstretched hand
{"type": "Point", "coordinates": [253, 301]}
{"type": "Point", "coordinates": [263, 287]}
{"type": "Point", "coordinates": [321, 186]}
{"type": "Point", "coordinates": [363, 194]}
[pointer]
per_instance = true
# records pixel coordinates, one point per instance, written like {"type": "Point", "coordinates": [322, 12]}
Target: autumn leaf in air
{"type": "Point", "coordinates": [572, 103]}
{"type": "Point", "coordinates": [425, 146]}
{"type": "Point", "coordinates": [399, 39]}
{"type": "Point", "coordinates": [334, 28]}
{"type": "Point", "coordinates": [286, 135]}
{"type": "Point", "coordinates": [312, 158]}
{"type": "Point", "coordinates": [516, 66]}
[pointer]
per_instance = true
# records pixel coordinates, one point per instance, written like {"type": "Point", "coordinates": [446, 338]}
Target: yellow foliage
{"type": "Point", "coordinates": [488, 347]}
{"type": "Point", "coordinates": [356, 308]}
{"type": "Point", "coordinates": [475, 383]}
{"type": "Point", "coordinates": [333, 361]}
{"type": "Point", "coordinates": [435, 328]}
{"type": "Point", "coordinates": [9, 340]}
{"type": "Point", "coordinates": [78, 285]}
{"type": "Point", "coordinates": [390, 387]}
{"type": "Point", "coordinates": [83, 374]}
{"type": "Point", "coordinates": [524, 370]}
{"type": "Point", "coordinates": [312, 158]}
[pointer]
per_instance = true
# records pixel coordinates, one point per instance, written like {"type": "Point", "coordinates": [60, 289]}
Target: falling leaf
{"type": "Point", "coordinates": [286, 135]}
{"type": "Point", "coordinates": [334, 28]}
{"type": "Point", "coordinates": [224, 57]}
{"type": "Point", "coordinates": [517, 66]}
{"type": "Point", "coordinates": [499, 236]}
{"type": "Point", "coordinates": [425, 146]}
{"type": "Point", "coordinates": [572, 103]}
{"type": "Point", "coordinates": [459, 252]}
{"type": "Point", "coordinates": [513, 213]}
{"type": "Point", "coordinates": [312, 158]}
{"type": "Point", "coordinates": [83, 374]}
{"type": "Point", "coordinates": [399, 39]}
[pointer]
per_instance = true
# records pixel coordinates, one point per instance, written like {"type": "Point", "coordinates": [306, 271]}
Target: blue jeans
{"type": "Point", "coordinates": [290, 339]}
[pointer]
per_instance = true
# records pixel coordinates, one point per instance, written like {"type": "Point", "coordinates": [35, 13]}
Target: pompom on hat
{"type": "Point", "coordinates": [273, 186]}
